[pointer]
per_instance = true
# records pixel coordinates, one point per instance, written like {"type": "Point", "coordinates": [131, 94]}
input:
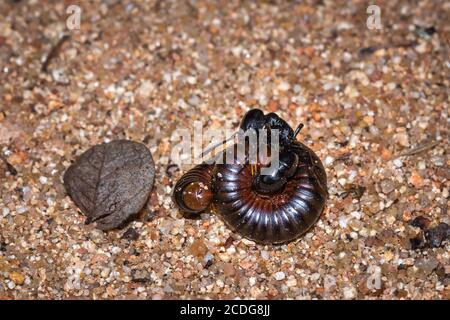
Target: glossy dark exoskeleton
{"type": "Point", "coordinates": [272, 208]}
{"type": "Point", "coordinates": [277, 176]}
{"type": "Point", "coordinates": [288, 159]}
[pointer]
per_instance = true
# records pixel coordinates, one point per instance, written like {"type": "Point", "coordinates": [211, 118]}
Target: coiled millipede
{"type": "Point", "coordinates": [276, 207]}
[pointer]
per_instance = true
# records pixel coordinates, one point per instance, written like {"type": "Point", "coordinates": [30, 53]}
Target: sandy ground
{"type": "Point", "coordinates": [375, 108]}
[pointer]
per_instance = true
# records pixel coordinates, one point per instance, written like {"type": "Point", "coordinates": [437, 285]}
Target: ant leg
{"type": "Point", "coordinates": [205, 152]}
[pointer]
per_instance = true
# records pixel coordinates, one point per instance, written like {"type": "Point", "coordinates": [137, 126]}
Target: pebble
{"type": "Point", "coordinates": [5, 212]}
{"type": "Point", "coordinates": [402, 139]}
{"type": "Point", "coordinates": [386, 154]}
{"type": "Point", "coordinates": [416, 180]}
{"type": "Point", "coordinates": [191, 80]}
{"type": "Point", "coordinates": [208, 258]}
{"type": "Point", "coordinates": [388, 256]}
{"type": "Point", "coordinates": [246, 264]}
{"type": "Point", "coordinates": [368, 120]}
{"type": "Point", "coordinates": [283, 86]}
{"type": "Point", "coordinates": [131, 234]}
{"type": "Point", "coordinates": [390, 219]}
{"type": "Point", "coordinates": [194, 100]}
{"type": "Point", "coordinates": [198, 248]}
{"type": "Point", "coordinates": [426, 264]}
{"type": "Point", "coordinates": [244, 90]}
{"type": "Point", "coordinates": [329, 282]}
{"type": "Point", "coordinates": [220, 283]}
{"type": "Point", "coordinates": [59, 76]}
{"type": "Point", "coordinates": [347, 57]}
{"type": "Point", "coordinates": [21, 210]}
{"type": "Point", "coordinates": [438, 161]}
{"type": "Point", "coordinates": [343, 220]}
{"type": "Point", "coordinates": [279, 275]}
{"type": "Point", "coordinates": [264, 254]}
{"type": "Point", "coordinates": [229, 270]}
{"type": "Point", "coordinates": [349, 293]}
{"type": "Point", "coordinates": [328, 161]}
{"type": "Point", "coordinates": [351, 91]}
{"type": "Point", "coordinates": [437, 235]}
{"type": "Point", "coordinates": [356, 214]}
{"type": "Point", "coordinates": [146, 89]}
{"type": "Point", "coordinates": [224, 257]}
{"type": "Point", "coordinates": [398, 163]}
{"type": "Point", "coordinates": [17, 277]}
{"type": "Point", "coordinates": [43, 180]}
{"type": "Point", "coordinates": [387, 186]}
{"type": "Point", "coordinates": [291, 282]}
{"type": "Point", "coordinates": [11, 285]}
{"type": "Point", "coordinates": [445, 193]}
{"type": "Point", "coordinates": [422, 47]}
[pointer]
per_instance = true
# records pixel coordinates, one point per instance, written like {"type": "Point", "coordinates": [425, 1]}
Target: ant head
{"type": "Point", "coordinates": [273, 121]}
{"type": "Point", "coordinates": [253, 119]}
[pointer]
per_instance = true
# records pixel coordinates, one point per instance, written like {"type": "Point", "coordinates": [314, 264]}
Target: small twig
{"type": "Point", "coordinates": [192, 9]}
{"type": "Point", "coordinates": [54, 52]}
{"type": "Point", "coordinates": [207, 151]}
{"type": "Point", "coordinates": [419, 149]}
{"type": "Point", "coordinates": [344, 157]}
{"type": "Point", "coordinates": [372, 49]}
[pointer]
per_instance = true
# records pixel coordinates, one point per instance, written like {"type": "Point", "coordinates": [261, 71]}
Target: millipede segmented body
{"type": "Point", "coordinates": [270, 209]}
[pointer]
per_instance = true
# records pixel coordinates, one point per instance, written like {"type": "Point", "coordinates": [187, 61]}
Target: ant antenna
{"type": "Point", "coordinates": [297, 131]}
{"type": "Point", "coordinates": [205, 152]}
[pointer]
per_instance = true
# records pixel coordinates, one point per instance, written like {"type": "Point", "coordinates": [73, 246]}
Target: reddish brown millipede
{"type": "Point", "coordinates": [273, 208]}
